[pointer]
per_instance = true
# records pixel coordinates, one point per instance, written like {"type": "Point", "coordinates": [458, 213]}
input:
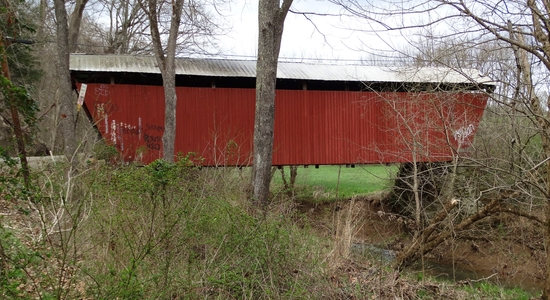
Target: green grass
{"type": "Point", "coordinates": [360, 180]}
{"type": "Point", "coordinates": [484, 290]}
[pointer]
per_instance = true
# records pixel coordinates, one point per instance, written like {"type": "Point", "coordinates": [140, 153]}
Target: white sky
{"type": "Point", "coordinates": [336, 37]}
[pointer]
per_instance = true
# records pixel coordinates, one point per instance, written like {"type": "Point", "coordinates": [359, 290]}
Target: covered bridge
{"type": "Point", "coordinates": [325, 114]}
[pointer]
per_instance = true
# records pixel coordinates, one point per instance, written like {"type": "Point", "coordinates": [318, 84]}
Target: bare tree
{"type": "Point", "coordinates": [126, 29]}
{"type": "Point", "coordinates": [518, 31]}
{"type": "Point", "coordinates": [271, 17]}
{"type": "Point", "coordinates": [67, 105]}
{"type": "Point", "coordinates": [61, 23]}
{"type": "Point", "coordinates": [188, 28]}
{"type": "Point", "coordinates": [114, 27]}
{"type": "Point", "coordinates": [522, 26]}
{"type": "Point", "coordinates": [74, 25]}
{"type": "Point", "coordinates": [166, 61]}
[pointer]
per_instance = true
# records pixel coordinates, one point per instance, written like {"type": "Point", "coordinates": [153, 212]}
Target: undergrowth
{"type": "Point", "coordinates": [174, 231]}
{"type": "Point", "coordinates": [164, 231]}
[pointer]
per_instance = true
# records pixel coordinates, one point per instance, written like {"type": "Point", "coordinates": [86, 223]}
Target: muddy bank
{"type": "Point", "coordinates": [508, 250]}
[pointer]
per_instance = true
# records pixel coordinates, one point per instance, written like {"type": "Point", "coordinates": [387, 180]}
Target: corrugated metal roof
{"type": "Point", "coordinates": [286, 70]}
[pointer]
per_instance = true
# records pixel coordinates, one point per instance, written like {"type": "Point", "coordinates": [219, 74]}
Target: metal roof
{"type": "Point", "coordinates": [286, 70]}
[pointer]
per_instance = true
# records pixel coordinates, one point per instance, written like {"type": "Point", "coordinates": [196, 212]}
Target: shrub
{"type": "Point", "coordinates": [168, 231]}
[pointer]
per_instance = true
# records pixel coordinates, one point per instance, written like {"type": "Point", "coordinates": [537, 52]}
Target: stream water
{"type": "Point", "coordinates": [446, 271]}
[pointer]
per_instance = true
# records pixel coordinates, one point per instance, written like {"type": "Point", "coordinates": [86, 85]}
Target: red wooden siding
{"type": "Point", "coordinates": [311, 127]}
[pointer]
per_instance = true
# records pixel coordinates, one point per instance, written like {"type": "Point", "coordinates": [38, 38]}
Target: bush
{"type": "Point", "coordinates": [168, 231]}
{"type": "Point", "coordinates": [20, 276]}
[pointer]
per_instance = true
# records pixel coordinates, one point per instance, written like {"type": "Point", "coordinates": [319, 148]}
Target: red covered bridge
{"type": "Point", "coordinates": [325, 114]}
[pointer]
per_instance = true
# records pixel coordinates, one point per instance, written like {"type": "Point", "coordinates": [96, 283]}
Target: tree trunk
{"type": "Point", "coordinates": [546, 149]}
{"type": "Point", "coordinates": [74, 26]}
{"type": "Point", "coordinates": [67, 105]}
{"type": "Point", "coordinates": [170, 102]}
{"type": "Point", "coordinates": [167, 67]}
{"type": "Point", "coordinates": [293, 175]}
{"type": "Point", "coordinates": [541, 116]}
{"type": "Point", "coordinates": [42, 15]}
{"type": "Point", "coordinates": [271, 18]}
{"type": "Point", "coordinates": [289, 184]}
{"type": "Point", "coordinates": [16, 123]}
{"type": "Point", "coordinates": [546, 291]}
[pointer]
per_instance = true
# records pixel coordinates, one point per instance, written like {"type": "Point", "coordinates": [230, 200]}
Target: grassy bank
{"type": "Point", "coordinates": [177, 232]}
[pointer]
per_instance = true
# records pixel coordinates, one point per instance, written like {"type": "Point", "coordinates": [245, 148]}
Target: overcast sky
{"type": "Point", "coordinates": [322, 37]}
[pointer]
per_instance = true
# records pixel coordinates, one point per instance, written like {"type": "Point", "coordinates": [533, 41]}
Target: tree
{"type": "Point", "coordinates": [166, 61]}
{"type": "Point", "coordinates": [521, 26]}
{"type": "Point", "coordinates": [13, 90]}
{"type": "Point", "coordinates": [125, 32]}
{"type": "Point", "coordinates": [66, 31]}
{"type": "Point", "coordinates": [426, 124]}
{"type": "Point", "coordinates": [67, 105]}
{"type": "Point", "coordinates": [271, 17]}
{"type": "Point", "coordinates": [114, 27]}
{"type": "Point", "coordinates": [74, 25]}
{"type": "Point", "coordinates": [127, 22]}
{"type": "Point", "coordinates": [518, 31]}
{"type": "Point", "coordinates": [195, 25]}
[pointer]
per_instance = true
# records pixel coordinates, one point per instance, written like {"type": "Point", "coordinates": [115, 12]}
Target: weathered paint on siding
{"type": "Point", "coordinates": [311, 127]}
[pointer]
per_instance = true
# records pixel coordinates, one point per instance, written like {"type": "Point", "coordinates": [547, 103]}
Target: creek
{"type": "Point", "coordinates": [447, 271]}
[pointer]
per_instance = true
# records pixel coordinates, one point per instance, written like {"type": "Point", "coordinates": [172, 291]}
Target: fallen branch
{"type": "Point", "coordinates": [426, 242]}
{"type": "Point", "coordinates": [408, 255]}
{"type": "Point", "coordinates": [485, 278]}
{"type": "Point", "coordinates": [470, 281]}
{"type": "Point", "coordinates": [490, 208]}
